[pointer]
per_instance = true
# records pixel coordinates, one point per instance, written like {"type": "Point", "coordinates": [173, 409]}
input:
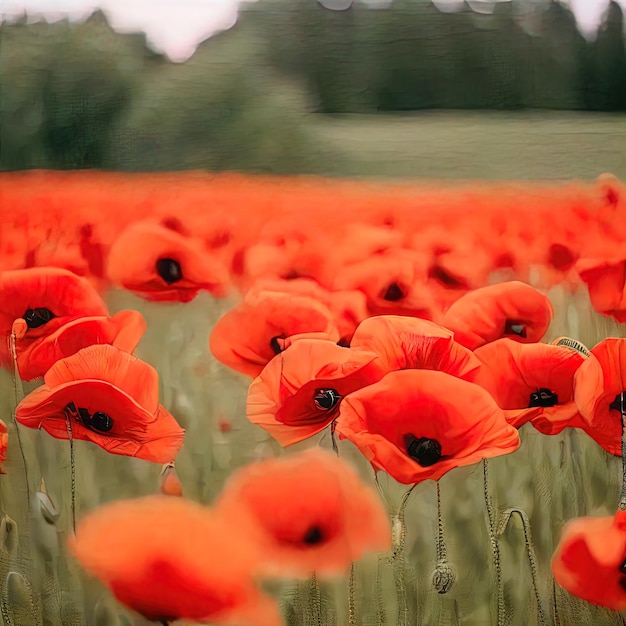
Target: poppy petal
{"type": "Point", "coordinates": [162, 265]}
{"type": "Point", "coordinates": [247, 337]}
{"type": "Point", "coordinates": [589, 560]}
{"type": "Point", "coordinates": [598, 383]}
{"type": "Point", "coordinates": [513, 310]}
{"type": "Point", "coordinates": [124, 331]}
{"type": "Point", "coordinates": [413, 343]}
{"type": "Point", "coordinates": [50, 297]}
{"type": "Point", "coordinates": [310, 511]}
{"type": "Point", "coordinates": [453, 422]}
{"type": "Point", "coordinates": [169, 558]}
{"type": "Point", "coordinates": [111, 398]}
{"type": "Point", "coordinates": [282, 398]}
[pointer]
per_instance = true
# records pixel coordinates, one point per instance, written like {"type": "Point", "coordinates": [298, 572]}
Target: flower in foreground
{"type": "Point", "coordinates": [512, 310]}
{"type": "Point", "coordinates": [248, 336]}
{"type": "Point", "coordinates": [413, 343]}
{"type": "Point", "coordinates": [123, 330]}
{"type": "Point", "coordinates": [299, 391]}
{"type": "Point", "coordinates": [590, 560]}
{"type": "Point", "coordinates": [537, 375]}
{"type": "Point", "coordinates": [310, 512]}
{"type": "Point", "coordinates": [44, 299]}
{"type": "Point", "coordinates": [419, 424]}
{"type": "Point", "coordinates": [169, 558]}
{"type": "Point", "coordinates": [600, 392]}
{"type": "Point", "coordinates": [109, 397]}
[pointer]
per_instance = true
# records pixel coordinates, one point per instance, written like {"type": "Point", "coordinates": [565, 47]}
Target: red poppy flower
{"type": "Point", "coordinates": [393, 284]}
{"type": "Point", "coordinates": [310, 512]}
{"type": "Point", "coordinates": [512, 310]}
{"type": "Point", "coordinates": [298, 393]}
{"type": "Point", "coordinates": [163, 265]}
{"type": "Point", "coordinates": [538, 375]}
{"type": "Point", "coordinates": [348, 308]}
{"type": "Point", "coordinates": [169, 558]}
{"type": "Point", "coordinates": [253, 332]}
{"type": "Point", "coordinates": [124, 331]}
{"type": "Point", "coordinates": [598, 387]}
{"type": "Point", "coordinates": [111, 399]}
{"type": "Point", "coordinates": [46, 298]}
{"type": "Point", "coordinates": [4, 443]}
{"type": "Point", "coordinates": [413, 343]}
{"type": "Point", "coordinates": [419, 424]}
{"type": "Point", "coordinates": [606, 283]}
{"type": "Point", "coordinates": [590, 560]}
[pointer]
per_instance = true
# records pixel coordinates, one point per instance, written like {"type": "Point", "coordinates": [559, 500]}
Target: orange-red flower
{"type": "Point", "coordinates": [160, 264]}
{"type": "Point", "coordinates": [46, 298]}
{"type": "Point", "coordinates": [590, 560]}
{"type": "Point", "coordinates": [110, 398]}
{"type": "Point", "coordinates": [413, 343]}
{"type": "Point", "coordinates": [392, 283]}
{"type": "Point", "coordinates": [299, 391]}
{"type": "Point", "coordinates": [4, 443]}
{"type": "Point", "coordinates": [538, 375]}
{"type": "Point", "coordinates": [512, 310]}
{"type": "Point", "coordinates": [599, 385]}
{"type": "Point", "coordinates": [348, 307]}
{"type": "Point", "coordinates": [124, 331]}
{"type": "Point", "coordinates": [253, 332]}
{"type": "Point", "coordinates": [419, 424]}
{"type": "Point", "coordinates": [169, 558]}
{"type": "Point", "coordinates": [606, 283]}
{"type": "Point", "coordinates": [310, 512]}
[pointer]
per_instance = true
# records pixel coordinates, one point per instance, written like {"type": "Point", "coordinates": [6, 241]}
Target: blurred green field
{"type": "Point", "coordinates": [492, 145]}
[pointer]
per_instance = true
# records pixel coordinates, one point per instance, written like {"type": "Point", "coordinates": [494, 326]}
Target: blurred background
{"type": "Point", "coordinates": [476, 89]}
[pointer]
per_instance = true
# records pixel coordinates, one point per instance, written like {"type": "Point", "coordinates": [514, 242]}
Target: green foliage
{"type": "Point", "coordinates": [83, 96]}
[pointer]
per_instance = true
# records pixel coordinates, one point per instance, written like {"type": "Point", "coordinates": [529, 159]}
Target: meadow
{"type": "Point", "coordinates": [522, 498]}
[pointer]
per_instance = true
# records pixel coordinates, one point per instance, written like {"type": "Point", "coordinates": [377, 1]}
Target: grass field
{"type": "Point", "coordinates": [516, 503]}
{"type": "Point", "coordinates": [489, 145]}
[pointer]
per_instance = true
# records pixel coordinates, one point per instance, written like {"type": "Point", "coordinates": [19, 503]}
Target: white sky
{"type": "Point", "coordinates": [176, 27]}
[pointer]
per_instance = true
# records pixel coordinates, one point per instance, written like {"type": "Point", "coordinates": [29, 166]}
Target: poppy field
{"type": "Point", "coordinates": [256, 400]}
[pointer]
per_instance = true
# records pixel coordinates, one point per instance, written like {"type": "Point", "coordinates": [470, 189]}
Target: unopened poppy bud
{"type": "Point", "coordinates": [443, 578]}
{"type": "Point", "coordinates": [170, 483]}
{"type": "Point", "coordinates": [20, 328]}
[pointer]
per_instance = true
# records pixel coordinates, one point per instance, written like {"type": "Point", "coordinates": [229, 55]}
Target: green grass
{"type": "Point", "coordinates": [490, 145]}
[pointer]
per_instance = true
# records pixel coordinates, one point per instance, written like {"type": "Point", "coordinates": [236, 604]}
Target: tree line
{"type": "Point", "coordinates": [82, 95]}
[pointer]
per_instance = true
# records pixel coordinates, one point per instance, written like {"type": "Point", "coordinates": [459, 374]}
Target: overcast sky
{"type": "Point", "coordinates": [176, 27]}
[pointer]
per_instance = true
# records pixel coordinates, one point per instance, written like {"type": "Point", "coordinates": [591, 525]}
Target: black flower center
{"type": "Point", "coordinates": [423, 450]}
{"type": "Point", "coordinates": [326, 399]}
{"type": "Point", "coordinates": [169, 270]}
{"type": "Point", "coordinates": [344, 342]}
{"type": "Point", "coordinates": [622, 567]}
{"type": "Point", "coordinates": [313, 536]}
{"type": "Point", "coordinates": [38, 317]}
{"type": "Point", "coordinates": [99, 421]}
{"type": "Point", "coordinates": [515, 328]}
{"type": "Point", "coordinates": [543, 397]}
{"type": "Point", "coordinates": [275, 345]}
{"type": "Point", "coordinates": [393, 293]}
{"type": "Point", "coordinates": [619, 402]}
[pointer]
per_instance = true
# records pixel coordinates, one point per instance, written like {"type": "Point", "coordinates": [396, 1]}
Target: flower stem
{"type": "Point", "coordinates": [495, 547]}
{"type": "Point", "coordinates": [19, 395]}
{"type": "Point", "coordinates": [72, 471]}
{"type": "Point", "coordinates": [622, 498]}
{"type": "Point", "coordinates": [444, 576]}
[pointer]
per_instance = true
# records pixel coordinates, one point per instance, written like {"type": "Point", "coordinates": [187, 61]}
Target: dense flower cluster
{"type": "Point", "coordinates": [422, 345]}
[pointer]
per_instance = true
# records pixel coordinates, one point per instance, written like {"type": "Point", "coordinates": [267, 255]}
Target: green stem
{"type": "Point", "coordinates": [18, 390]}
{"type": "Point", "coordinates": [495, 547]}
{"type": "Point", "coordinates": [72, 472]}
